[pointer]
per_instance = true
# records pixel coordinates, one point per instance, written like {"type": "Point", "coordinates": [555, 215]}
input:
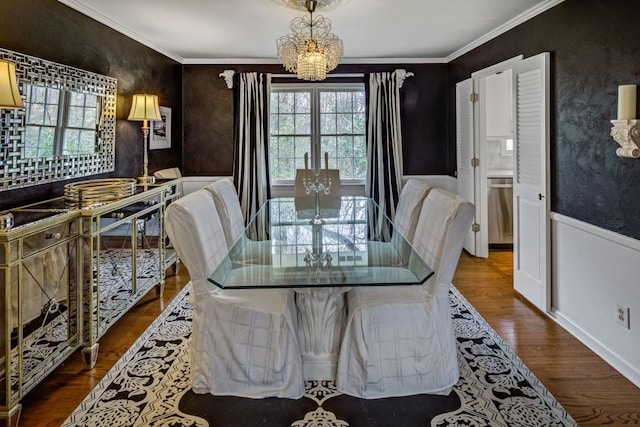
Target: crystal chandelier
{"type": "Point", "coordinates": [310, 50]}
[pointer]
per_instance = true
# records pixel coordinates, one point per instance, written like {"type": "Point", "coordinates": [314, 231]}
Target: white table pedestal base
{"type": "Point", "coordinates": [321, 320]}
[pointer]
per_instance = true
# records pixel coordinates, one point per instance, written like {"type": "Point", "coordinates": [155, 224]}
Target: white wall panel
{"type": "Point", "coordinates": [592, 270]}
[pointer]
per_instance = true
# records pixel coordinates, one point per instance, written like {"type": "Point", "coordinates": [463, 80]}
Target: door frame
{"type": "Point", "coordinates": [480, 151]}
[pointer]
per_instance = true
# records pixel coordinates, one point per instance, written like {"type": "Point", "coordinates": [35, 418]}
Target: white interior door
{"type": "Point", "coordinates": [530, 180]}
{"type": "Point", "coordinates": [464, 150]}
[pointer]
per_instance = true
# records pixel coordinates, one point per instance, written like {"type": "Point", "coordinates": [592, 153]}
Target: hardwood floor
{"type": "Point", "coordinates": [588, 388]}
{"type": "Point", "coordinates": [51, 402]}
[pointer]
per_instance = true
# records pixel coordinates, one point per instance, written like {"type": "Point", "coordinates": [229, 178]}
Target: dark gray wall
{"type": "Point", "coordinates": [208, 119]}
{"type": "Point", "coordinates": [50, 30]}
{"type": "Point", "coordinates": [594, 48]}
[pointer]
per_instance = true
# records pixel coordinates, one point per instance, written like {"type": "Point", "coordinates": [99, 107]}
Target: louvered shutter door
{"type": "Point", "coordinates": [464, 150]}
{"type": "Point", "coordinates": [530, 183]}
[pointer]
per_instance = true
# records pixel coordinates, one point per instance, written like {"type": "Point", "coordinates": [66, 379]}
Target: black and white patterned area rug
{"type": "Point", "coordinates": [149, 386]}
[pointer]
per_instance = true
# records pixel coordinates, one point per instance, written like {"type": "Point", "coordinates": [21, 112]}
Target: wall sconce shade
{"type": "Point", "coordinates": [145, 107]}
{"type": "Point", "coordinates": [9, 93]}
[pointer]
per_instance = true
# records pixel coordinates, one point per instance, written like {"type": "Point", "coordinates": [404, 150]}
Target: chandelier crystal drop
{"type": "Point", "coordinates": [310, 50]}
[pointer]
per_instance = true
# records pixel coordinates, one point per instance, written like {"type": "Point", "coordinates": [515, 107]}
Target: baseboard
{"type": "Point", "coordinates": [598, 348]}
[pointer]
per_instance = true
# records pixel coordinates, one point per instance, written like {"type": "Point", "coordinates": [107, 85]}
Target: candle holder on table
{"type": "Point", "coordinates": [317, 186]}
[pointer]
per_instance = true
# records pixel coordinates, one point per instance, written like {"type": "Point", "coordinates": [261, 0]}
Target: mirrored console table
{"type": "Point", "coordinates": [67, 275]}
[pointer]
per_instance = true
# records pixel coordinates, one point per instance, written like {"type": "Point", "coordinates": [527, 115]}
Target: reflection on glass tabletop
{"type": "Point", "coordinates": [355, 245]}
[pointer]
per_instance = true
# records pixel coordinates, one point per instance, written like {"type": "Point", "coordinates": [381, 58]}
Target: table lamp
{"type": "Point", "coordinates": [9, 93]}
{"type": "Point", "coordinates": [145, 108]}
{"type": "Point", "coordinates": [10, 99]}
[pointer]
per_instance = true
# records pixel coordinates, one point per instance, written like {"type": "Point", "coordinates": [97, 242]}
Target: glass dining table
{"type": "Point", "coordinates": [352, 243]}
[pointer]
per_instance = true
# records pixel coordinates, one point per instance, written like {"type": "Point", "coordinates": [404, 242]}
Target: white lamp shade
{"type": "Point", "coordinates": [9, 93]}
{"type": "Point", "coordinates": [145, 107]}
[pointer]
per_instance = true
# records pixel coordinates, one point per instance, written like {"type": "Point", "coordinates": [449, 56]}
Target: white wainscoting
{"type": "Point", "coordinates": [193, 183]}
{"type": "Point", "coordinates": [592, 270]}
{"type": "Point", "coordinates": [444, 182]}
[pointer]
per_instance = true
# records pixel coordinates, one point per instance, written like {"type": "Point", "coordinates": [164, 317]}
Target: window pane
{"type": "Point", "coordinates": [345, 146]}
{"type": "Point", "coordinates": [274, 145]}
{"type": "Point", "coordinates": [53, 96]}
{"type": "Point", "coordinates": [303, 124]}
{"type": "Point", "coordinates": [286, 102]}
{"type": "Point", "coordinates": [76, 117]}
{"type": "Point", "coordinates": [36, 114]}
{"type": "Point", "coordinates": [47, 136]}
{"type": "Point", "coordinates": [286, 125]}
{"type": "Point", "coordinates": [345, 124]}
{"type": "Point", "coordinates": [77, 99]}
{"type": "Point", "coordinates": [359, 123]}
{"type": "Point", "coordinates": [91, 101]}
{"type": "Point", "coordinates": [71, 141]}
{"type": "Point", "coordinates": [303, 102]}
{"type": "Point", "coordinates": [286, 168]}
{"type": "Point", "coordinates": [87, 141]}
{"type": "Point", "coordinates": [287, 148]}
{"type": "Point", "coordinates": [327, 102]}
{"type": "Point", "coordinates": [303, 145]}
{"type": "Point", "coordinates": [38, 94]}
{"type": "Point", "coordinates": [328, 124]}
{"type": "Point", "coordinates": [51, 115]}
{"type": "Point", "coordinates": [344, 102]}
{"type": "Point", "coordinates": [90, 118]}
{"type": "Point", "coordinates": [359, 103]}
{"type": "Point", "coordinates": [329, 145]}
{"type": "Point", "coordinates": [345, 165]}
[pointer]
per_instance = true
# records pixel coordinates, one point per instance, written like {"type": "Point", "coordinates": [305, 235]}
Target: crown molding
{"type": "Point", "coordinates": [94, 14]}
{"type": "Point", "coordinates": [249, 61]}
{"type": "Point", "coordinates": [394, 61]}
{"type": "Point", "coordinates": [523, 17]}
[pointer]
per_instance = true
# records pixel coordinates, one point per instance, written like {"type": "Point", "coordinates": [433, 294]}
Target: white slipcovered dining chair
{"type": "Point", "coordinates": [404, 224]}
{"type": "Point", "coordinates": [228, 207]}
{"type": "Point", "coordinates": [244, 342]}
{"type": "Point", "coordinates": [399, 341]}
{"type": "Point", "coordinates": [227, 203]}
{"type": "Point", "coordinates": [169, 173]}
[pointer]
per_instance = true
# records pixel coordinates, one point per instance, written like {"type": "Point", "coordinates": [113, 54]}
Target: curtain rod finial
{"type": "Point", "coordinates": [402, 74]}
{"type": "Point", "coordinates": [228, 77]}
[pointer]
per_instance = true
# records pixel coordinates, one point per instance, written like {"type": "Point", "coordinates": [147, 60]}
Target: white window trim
{"type": "Point", "coordinates": [284, 187]}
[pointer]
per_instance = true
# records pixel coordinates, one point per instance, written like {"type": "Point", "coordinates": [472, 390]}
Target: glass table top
{"type": "Point", "coordinates": [354, 245]}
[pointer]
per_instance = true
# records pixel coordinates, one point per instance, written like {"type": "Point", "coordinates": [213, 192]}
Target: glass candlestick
{"type": "Point", "coordinates": [317, 186]}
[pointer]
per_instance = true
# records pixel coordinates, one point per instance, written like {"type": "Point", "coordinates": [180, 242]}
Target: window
{"type": "Point", "coordinates": [314, 119]}
{"type": "Point", "coordinates": [506, 147]}
{"type": "Point", "coordinates": [59, 122]}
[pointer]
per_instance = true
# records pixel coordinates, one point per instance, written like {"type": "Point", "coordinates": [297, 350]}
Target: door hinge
{"type": "Point", "coordinates": [475, 162]}
{"type": "Point", "coordinates": [474, 97]}
{"type": "Point", "coordinates": [475, 227]}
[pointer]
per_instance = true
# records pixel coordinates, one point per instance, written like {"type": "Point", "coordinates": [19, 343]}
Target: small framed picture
{"type": "Point", "coordinates": [160, 132]}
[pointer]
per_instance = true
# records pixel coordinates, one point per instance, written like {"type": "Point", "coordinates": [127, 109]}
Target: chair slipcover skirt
{"type": "Point", "coordinates": [395, 346]}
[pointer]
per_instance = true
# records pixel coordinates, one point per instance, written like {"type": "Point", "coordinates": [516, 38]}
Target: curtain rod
{"type": "Point", "coordinates": [401, 74]}
{"type": "Point", "coordinates": [345, 75]}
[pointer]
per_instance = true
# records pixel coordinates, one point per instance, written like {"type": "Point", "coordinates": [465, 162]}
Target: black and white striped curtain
{"type": "Point", "coordinates": [384, 142]}
{"type": "Point", "coordinates": [251, 138]}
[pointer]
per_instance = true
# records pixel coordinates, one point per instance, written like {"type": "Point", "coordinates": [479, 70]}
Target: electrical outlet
{"type": "Point", "coordinates": [622, 316]}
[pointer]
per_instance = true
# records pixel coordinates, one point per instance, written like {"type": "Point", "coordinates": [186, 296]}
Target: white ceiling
{"type": "Point", "coordinates": [245, 31]}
